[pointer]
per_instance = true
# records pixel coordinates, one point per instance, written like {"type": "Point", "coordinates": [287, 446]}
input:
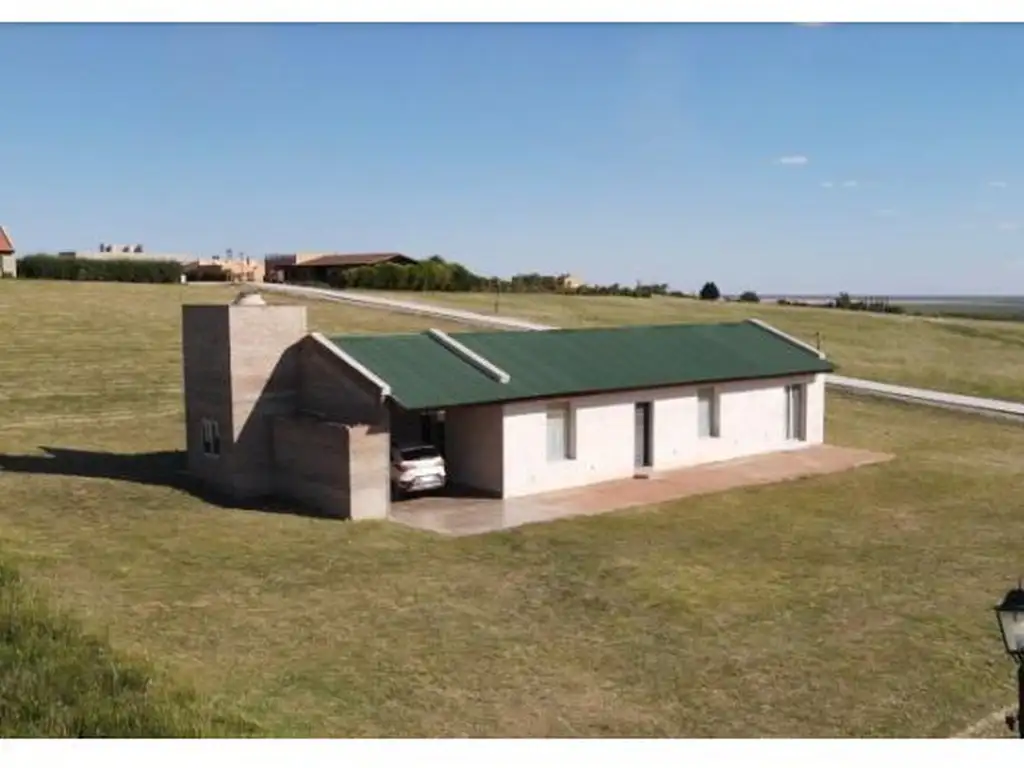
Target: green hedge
{"type": "Point", "coordinates": [46, 267]}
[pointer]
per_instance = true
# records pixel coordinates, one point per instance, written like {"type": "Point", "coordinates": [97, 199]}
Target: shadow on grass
{"type": "Point", "coordinates": [160, 468]}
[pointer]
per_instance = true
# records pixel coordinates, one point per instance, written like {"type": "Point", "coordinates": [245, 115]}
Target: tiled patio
{"type": "Point", "coordinates": [470, 516]}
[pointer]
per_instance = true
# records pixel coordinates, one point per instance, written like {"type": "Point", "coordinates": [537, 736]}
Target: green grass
{"type": "Point", "coordinates": [56, 681]}
{"type": "Point", "coordinates": [1006, 309]}
{"type": "Point", "coordinates": [856, 604]}
{"type": "Point", "coordinates": [976, 357]}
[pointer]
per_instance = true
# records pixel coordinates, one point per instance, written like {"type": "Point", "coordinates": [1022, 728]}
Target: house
{"type": "Point", "coordinates": [272, 409]}
{"type": "Point", "coordinates": [570, 282]}
{"type": "Point", "coordinates": [241, 269]}
{"type": "Point", "coordinates": [8, 264]}
{"type": "Point", "coordinates": [308, 268]}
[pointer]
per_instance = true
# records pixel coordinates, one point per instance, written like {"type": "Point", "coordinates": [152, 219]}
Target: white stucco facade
{"type": "Point", "coordinates": [503, 448]}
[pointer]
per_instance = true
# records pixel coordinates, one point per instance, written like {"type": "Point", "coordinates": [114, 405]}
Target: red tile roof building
{"type": "Point", "coordinates": [6, 246]}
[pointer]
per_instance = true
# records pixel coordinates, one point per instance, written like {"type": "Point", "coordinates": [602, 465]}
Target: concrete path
{"type": "Point", "coordinates": [981, 405]}
{"type": "Point", "coordinates": [929, 396]}
{"type": "Point", "coordinates": [461, 516]}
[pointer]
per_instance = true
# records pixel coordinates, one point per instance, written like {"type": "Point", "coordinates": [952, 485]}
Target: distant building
{"type": "Point", "coordinates": [8, 264]}
{"type": "Point", "coordinates": [240, 268]}
{"type": "Point", "coordinates": [570, 282]}
{"type": "Point", "coordinates": [130, 251]}
{"type": "Point", "coordinates": [314, 267]}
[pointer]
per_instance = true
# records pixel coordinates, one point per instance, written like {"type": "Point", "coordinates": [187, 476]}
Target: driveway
{"type": "Point", "coordinates": [471, 516]}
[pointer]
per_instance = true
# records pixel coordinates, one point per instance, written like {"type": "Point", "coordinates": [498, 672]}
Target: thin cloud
{"type": "Point", "coordinates": [814, 23]}
{"type": "Point", "coordinates": [886, 213]}
{"type": "Point", "coordinates": [1009, 226]}
{"type": "Point", "coordinates": [828, 184]}
{"type": "Point", "coordinates": [793, 160]}
{"type": "Point", "coordinates": [850, 183]}
{"type": "Point", "coordinates": [998, 184]}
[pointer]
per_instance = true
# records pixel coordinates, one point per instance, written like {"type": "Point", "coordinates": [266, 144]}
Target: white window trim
{"type": "Point", "coordinates": [211, 440]}
{"type": "Point", "coordinates": [799, 435]}
{"type": "Point", "coordinates": [570, 431]}
{"type": "Point", "coordinates": [715, 417]}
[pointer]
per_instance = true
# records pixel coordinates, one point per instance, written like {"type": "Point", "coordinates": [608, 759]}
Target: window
{"type": "Point", "coordinates": [560, 433]}
{"type": "Point", "coordinates": [211, 437]}
{"type": "Point", "coordinates": [707, 412]}
{"type": "Point", "coordinates": [796, 412]}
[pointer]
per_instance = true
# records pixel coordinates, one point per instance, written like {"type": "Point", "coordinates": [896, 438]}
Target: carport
{"type": "Point", "coordinates": [469, 439]}
{"type": "Point", "coordinates": [417, 426]}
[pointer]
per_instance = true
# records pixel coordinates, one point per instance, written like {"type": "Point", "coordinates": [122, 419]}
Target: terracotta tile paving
{"type": "Point", "coordinates": [471, 516]}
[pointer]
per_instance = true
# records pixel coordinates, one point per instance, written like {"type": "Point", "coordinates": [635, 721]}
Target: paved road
{"type": "Point", "coordinates": [980, 405]}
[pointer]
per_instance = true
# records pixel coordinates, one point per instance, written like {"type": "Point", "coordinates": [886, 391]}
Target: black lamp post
{"type": "Point", "coordinates": [1010, 613]}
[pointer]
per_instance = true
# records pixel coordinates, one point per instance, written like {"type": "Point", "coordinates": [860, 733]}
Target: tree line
{"type": "Point", "coordinates": [437, 274]}
{"type": "Point", "coordinates": [433, 274]}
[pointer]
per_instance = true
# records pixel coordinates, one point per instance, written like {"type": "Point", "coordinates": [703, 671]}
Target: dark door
{"type": "Point", "coordinates": [643, 435]}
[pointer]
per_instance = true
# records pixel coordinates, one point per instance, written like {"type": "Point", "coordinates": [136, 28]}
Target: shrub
{"type": "Point", "coordinates": [750, 297]}
{"type": "Point", "coordinates": [47, 267]}
{"type": "Point", "coordinates": [710, 292]}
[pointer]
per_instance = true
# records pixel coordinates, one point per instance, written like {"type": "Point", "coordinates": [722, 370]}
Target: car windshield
{"type": "Point", "coordinates": [417, 452]}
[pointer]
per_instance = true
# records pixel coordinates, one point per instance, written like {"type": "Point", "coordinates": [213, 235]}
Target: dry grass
{"type": "Point", "coordinates": [855, 604]}
{"type": "Point", "coordinates": [82, 349]}
{"type": "Point", "coordinates": [977, 357]}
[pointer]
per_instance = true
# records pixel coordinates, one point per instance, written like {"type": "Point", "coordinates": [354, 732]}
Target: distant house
{"type": "Point", "coordinates": [570, 282]}
{"type": "Point", "coordinates": [216, 269]}
{"type": "Point", "coordinates": [8, 265]}
{"type": "Point", "coordinates": [314, 268]}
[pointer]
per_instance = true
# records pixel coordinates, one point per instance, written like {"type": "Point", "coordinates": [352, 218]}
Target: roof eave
{"type": "Point", "coordinates": [786, 337]}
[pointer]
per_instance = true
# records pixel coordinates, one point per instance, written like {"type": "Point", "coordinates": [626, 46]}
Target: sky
{"type": "Point", "coordinates": [884, 159]}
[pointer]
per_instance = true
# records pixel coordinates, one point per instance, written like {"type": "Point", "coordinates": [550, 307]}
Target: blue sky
{"type": "Point", "coordinates": [616, 152]}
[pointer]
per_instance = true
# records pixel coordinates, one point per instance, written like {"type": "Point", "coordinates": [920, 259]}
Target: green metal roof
{"type": "Point", "coordinates": [423, 373]}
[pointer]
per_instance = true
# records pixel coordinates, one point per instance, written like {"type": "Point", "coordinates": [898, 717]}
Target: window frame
{"type": "Point", "coordinates": [796, 395]}
{"type": "Point", "coordinates": [714, 413]}
{"type": "Point", "coordinates": [210, 438]}
{"type": "Point", "coordinates": [568, 418]}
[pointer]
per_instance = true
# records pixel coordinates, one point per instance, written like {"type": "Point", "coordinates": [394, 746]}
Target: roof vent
{"type": "Point", "coordinates": [249, 299]}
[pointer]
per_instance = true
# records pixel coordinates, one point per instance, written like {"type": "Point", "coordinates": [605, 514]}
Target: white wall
{"type": "Point", "coordinates": [603, 440]}
{"type": "Point", "coordinates": [751, 418]}
{"type": "Point", "coordinates": [473, 447]}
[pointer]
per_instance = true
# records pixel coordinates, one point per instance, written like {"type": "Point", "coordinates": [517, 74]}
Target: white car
{"type": "Point", "coordinates": [417, 468]}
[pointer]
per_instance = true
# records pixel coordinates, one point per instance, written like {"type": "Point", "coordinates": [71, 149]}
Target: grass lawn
{"type": "Point", "coordinates": [58, 682]}
{"type": "Point", "coordinates": [855, 604]}
{"type": "Point", "coordinates": [976, 357]}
